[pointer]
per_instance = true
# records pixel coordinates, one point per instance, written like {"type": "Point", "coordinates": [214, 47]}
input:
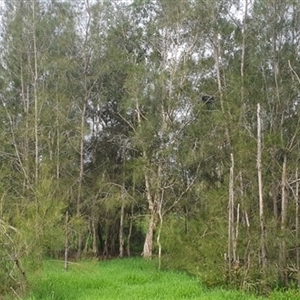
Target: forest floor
{"type": "Point", "coordinates": [126, 279]}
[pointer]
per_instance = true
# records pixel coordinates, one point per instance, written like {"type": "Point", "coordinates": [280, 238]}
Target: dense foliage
{"type": "Point", "coordinates": [167, 128]}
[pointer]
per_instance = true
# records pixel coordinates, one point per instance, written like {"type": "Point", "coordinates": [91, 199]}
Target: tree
{"type": "Point", "coordinates": [36, 51]}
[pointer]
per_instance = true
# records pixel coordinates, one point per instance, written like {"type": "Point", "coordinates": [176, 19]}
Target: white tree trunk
{"type": "Point", "coordinates": [148, 244]}
{"type": "Point", "coordinates": [283, 219]}
{"type": "Point", "coordinates": [231, 253]}
{"type": "Point", "coordinates": [260, 191]}
{"type": "Point", "coordinates": [35, 81]}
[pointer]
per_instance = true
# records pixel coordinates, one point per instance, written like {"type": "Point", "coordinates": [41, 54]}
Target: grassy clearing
{"type": "Point", "coordinates": [125, 279]}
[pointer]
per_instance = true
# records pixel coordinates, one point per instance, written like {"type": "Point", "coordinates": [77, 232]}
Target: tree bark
{"type": "Point", "coordinates": [160, 218]}
{"type": "Point", "coordinates": [282, 254]}
{"type": "Point", "coordinates": [35, 82]}
{"type": "Point", "coordinates": [297, 227]}
{"type": "Point", "coordinates": [95, 234]}
{"type": "Point", "coordinates": [148, 244]}
{"type": "Point", "coordinates": [260, 192]}
{"type": "Point", "coordinates": [231, 254]}
{"type": "Point", "coordinates": [95, 237]}
{"type": "Point", "coordinates": [121, 237]}
{"type": "Point", "coordinates": [67, 241]}
{"type": "Point", "coordinates": [129, 232]}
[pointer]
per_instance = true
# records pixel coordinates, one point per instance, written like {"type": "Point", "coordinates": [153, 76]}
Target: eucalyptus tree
{"type": "Point", "coordinates": [155, 91]}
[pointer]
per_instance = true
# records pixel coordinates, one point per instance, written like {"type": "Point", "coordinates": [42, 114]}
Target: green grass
{"type": "Point", "coordinates": [125, 279]}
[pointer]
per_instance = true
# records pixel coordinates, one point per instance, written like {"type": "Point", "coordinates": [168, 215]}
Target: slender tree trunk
{"type": "Point", "coordinates": [260, 192]}
{"type": "Point", "coordinates": [148, 244]}
{"type": "Point", "coordinates": [243, 108]}
{"type": "Point", "coordinates": [81, 172]}
{"type": "Point", "coordinates": [130, 232]}
{"type": "Point", "coordinates": [95, 228]}
{"type": "Point", "coordinates": [25, 99]}
{"type": "Point", "coordinates": [297, 201]}
{"type": "Point", "coordinates": [95, 235]}
{"type": "Point", "coordinates": [231, 220]}
{"type": "Point", "coordinates": [130, 222]}
{"type": "Point", "coordinates": [186, 219]}
{"type": "Point", "coordinates": [244, 36]}
{"type": "Point", "coordinates": [242, 194]}
{"type": "Point", "coordinates": [217, 56]}
{"type": "Point", "coordinates": [160, 217]}
{"type": "Point", "coordinates": [244, 47]}
{"type": "Point", "coordinates": [106, 252]}
{"type": "Point", "coordinates": [67, 241]}
{"type": "Point", "coordinates": [236, 235]}
{"type": "Point", "coordinates": [297, 227]}
{"type": "Point", "coordinates": [121, 229]}
{"type": "Point", "coordinates": [35, 81]}
{"type": "Point", "coordinates": [274, 197]}
{"type": "Point", "coordinates": [57, 150]}
{"type": "Point", "coordinates": [283, 220]}
{"type": "Point", "coordinates": [87, 92]}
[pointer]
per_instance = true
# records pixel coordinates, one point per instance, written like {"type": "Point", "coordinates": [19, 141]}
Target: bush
{"type": "Point", "coordinates": [200, 251]}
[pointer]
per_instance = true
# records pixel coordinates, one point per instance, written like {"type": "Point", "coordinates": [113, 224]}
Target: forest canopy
{"type": "Point", "coordinates": [163, 128]}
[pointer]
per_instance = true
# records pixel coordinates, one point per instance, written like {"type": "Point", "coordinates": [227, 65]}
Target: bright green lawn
{"type": "Point", "coordinates": [124, 279]}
